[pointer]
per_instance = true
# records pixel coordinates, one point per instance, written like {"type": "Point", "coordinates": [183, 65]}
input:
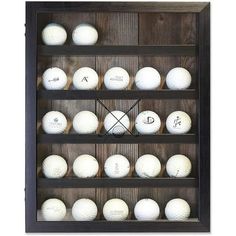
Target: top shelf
{"type": "Point", "coordinates": [160, 50]}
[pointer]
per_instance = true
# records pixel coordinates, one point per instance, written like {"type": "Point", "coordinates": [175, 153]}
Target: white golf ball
{"type": "Point", "coordinates": [178, 78]}
{"type": "Point", "coordinates": [146, 209]}
{"type": "Point", "coordinates": [85, 122]}
{"type": "Point", "coordinates": [117, 166]}
{"type": "Point", "coordinates": [115, 210]}
{"type": "Point", "coordinates": [147, 78]}
{"type": "Point", "coordinates": [147, 122]}
{"type": "Point", "coordinates": [147, 166]}
{"type": "Point", "coordinates": [84, 210]}
{"type": "Point", "coordinates": [116, 122]}
{"type": "Point", "coordinates": [54, 166]}
{"type": "Point", "coordinates": [54, 122]}
{"type": "Point", "coordinates": [178, 122]}
{"type": "Point", "coordinates": [177, 209]}
{"type": "Point", "coordinates": [85, 78]}
{"type": "Point", "coordinates": [54, 34]}
{"type": "Point", "coordinates": [54, 79]}
{"type": "Point", "coordinates": [85, 166]}
{"type": "Point", "coordinates": [53, 209]}
{"type": "Point", "coordinates": [85, 34]}
{"type": "Point", "coordinates": [178, 166]}
{"type": "Point", "coordinates": [116, 78]}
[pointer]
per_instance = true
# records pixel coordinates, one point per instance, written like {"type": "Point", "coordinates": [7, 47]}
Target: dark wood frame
{"type": "Point", "coordinates": [202, 50]}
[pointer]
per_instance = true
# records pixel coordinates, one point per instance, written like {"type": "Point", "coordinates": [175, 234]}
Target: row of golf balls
{"type": "Point", "coordinates": [115, 209]}
{"type": "Point", "coordinates": [116, 166]}
{"type": "Point", "coordinates": [116, 122]}
{"type": "Point", "coordinates": [83, 34]}
{"type": "Point", "coordinates": [116, 78]}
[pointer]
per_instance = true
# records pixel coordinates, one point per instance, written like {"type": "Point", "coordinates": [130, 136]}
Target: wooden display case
{"type": "Point", "coordinates": [132, 36]}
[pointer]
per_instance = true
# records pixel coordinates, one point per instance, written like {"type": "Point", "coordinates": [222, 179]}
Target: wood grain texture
{"type": "Point", "coordinates": [117, 28]}
{"type": "Point", "coordinates": [167, 28]}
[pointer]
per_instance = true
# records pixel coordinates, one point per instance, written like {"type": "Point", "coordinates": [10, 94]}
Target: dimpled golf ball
{"type": "Point", "coordinates": [85, 78]}
{"type": "Point", "coordinates": [116, 78]}
{"type": "Point", "coordinates": [117, 166]}
{"type": "Point", "coordinates": [116, 122]}
{"type": "Point", "coordinates": [54, 166]}
{"type": "Point", "coordinates": [84, 209]}
{"type": "Point", "coordinates": [178, 122]}
{"type": "Point", "coordinates": [147, 78]}
{"type": "Point", "coordinates": [85, 122]}
{"type": "Point", "coordinates": [54, 122]}
{"type": "Point", "coordinates": [178, 78]}
{"type": "Point", "coordinates": [85, 34]}
{"type": "Point", "coordinates": [53, 209]}
{"type": "Point", "coordinates": [148, 166]}
{"type": "Point", "coordinates": [54, 79]}
{"type": "Point", "coordinates": [146, 209]}
{"type": "Point", "coordinates": [177, 209]}
{"type": "Point", "coordinates": [54, 34]}
{"type": "Point", "coordinates": [178, 166]}
{"type": "Point", "coordinates": [115, 210]}
{"type": "Point", "coordinates": [147, 122]}
{"type": "Point", "coordinates": [85, 166]}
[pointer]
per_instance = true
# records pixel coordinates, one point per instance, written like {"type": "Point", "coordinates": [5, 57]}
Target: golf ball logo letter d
{"type": "Point", "coordinates": [149, 120]}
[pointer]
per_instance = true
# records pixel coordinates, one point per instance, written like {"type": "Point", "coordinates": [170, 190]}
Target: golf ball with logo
{"type": "Point", "coordinates": [85, 78]}
{"type": "Point", "coordinates": [178, 78]}
{"type": "Point", "coordinates": [116, 78]}
{"type": "Point", "coordinates": [147, 78]}
{"type": "Point", "coordinates": [85, 166]}
{"type": "Point", "coordinates": [54, 79]}
{"type": "Point", "coordinates": [54, 122]}
{"type": "Point", "coordinates": [146, 209]}
{"type": "Point", "coordinates": [117, 166]}
{"type": "Point", "coordinates": [53, 209]}
{"type": "Point", "coordinates": [54, 34]}
{"type": "Point", "coordinates": [116, 122]}
{"type": "Point", "coordinates": [147, 122]}
{"type": "Point", "coordinates": [148, 166]}
{"type": "Point", "coordinates": [84, 209]}
{"type": "Point", "coordinates": [178, 122]}
{"type": "Point", "coordinates": [115, 210]}
{"type": "Point", "coordinates": [85, 122]}
{"type": "Point", "coordinates": [177, 209]}
{"type": "Point", "coordinates": [178, 166]}
{"type": "Point", "coordinates": [85, 34]}
{"type": "Point", "coordinates": [54, 166]}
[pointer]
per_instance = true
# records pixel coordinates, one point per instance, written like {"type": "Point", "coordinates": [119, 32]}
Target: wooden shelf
{"type": "Point", "coordinates": [161, 50]}
{"type": "Point", "coordinates": [73, 182]}
{"type": "Point", "coordinates": [116, 94]}
{"type": "Point", "coordinates": [96, 138]}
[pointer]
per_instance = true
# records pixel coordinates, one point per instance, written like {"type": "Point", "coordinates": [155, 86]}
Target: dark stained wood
{"type": "Point", "coordinates": [167, 28]}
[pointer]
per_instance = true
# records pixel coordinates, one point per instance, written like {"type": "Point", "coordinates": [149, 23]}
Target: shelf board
{"type": "Point", "coordinates": [97, 138]}
{"type": "Point", "coordinates": [162, 50]}
{"type": "Point", "coordinates": [73, 182]}
{"type": "Point", "coordinates": [116, 94]}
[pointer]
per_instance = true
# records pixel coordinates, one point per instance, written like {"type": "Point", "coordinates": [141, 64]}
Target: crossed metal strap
{"type": "Point", "coordinates": [118, 120]}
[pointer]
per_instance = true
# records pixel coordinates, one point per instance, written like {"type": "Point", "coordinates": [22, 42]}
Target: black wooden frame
{"type": "Point", "coordinates": [202, 50]}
